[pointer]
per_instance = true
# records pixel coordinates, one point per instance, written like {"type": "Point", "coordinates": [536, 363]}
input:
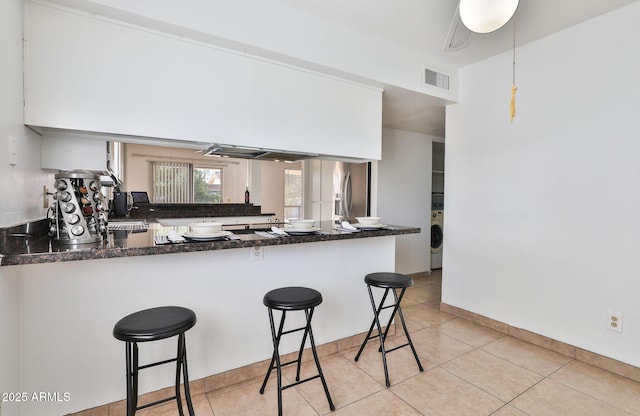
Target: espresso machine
{"type": "Point", "coordinates": [79, 212]}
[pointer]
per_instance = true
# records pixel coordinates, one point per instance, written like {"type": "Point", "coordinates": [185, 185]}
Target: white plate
{"type": "Point", "coordinates": [206, 237]}
{"type": "Point", "coordinates": [369, 227]}
{"type": "Point", "coordinates": [291, 230]}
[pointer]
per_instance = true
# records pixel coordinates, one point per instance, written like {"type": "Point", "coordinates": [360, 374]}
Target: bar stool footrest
{"type": "Point", "coordinates": [294, 330]}
{"type": "Point", "coordinates": [168, 399]}
{"type": "Point", "coordinates": [171, 360]}
{"type": "Point", "coordinates": [397, 348]}
{"type": "Point", "coordinates": [300, 382]}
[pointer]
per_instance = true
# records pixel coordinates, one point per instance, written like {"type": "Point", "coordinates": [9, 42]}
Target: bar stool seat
{"type": "Point", "coordinates": [389, 282]}
{"type": "Point", "coordinates": [152, 325]}
{"type": "Point", "coordinates": [288, 299]}
{"type": "Point", "coordinates": [292, 298]}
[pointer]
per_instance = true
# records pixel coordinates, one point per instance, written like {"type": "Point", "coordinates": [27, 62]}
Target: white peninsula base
{"type": "Point", "coordinates": [67, 312]}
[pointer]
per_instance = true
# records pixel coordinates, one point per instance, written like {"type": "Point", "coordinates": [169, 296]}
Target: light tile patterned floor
{"type": "Point", "coordinates": [470, 370]}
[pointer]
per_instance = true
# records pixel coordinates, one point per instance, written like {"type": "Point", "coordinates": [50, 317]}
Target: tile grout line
{"type": "Point", "coordinates": [585, 393]}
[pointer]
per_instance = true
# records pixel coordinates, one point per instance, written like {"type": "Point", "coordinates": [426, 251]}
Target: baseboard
{"type": "Point", "coordinates": [597, 360]}
{"type": "Point", "coordinates": [229, 379]}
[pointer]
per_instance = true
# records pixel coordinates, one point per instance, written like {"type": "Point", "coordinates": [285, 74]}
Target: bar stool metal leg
{"type": "Point", "coordinates": [406, 331]}
{"type": "Point", "coordinates": [315, 357]}
{"type": "Point", "coordinates": [380, 335]}
{"type": "Point", "coordinates": [276, 337]}
{"type": "Point", "coordinates": [132, 377]}
{"type": "Point", "coordinates": [151, 325]}
{"type": "Point", "coordinates": [185, 374]}
{"type": "Point", "coordinates": [307, 328]}
{"type": "Point", "coordinates": [181, 369]}
{"type": "Point", "coordinates": [178, 372]}
{"type": "Point", "coordinates": [376, 312]}
{"type": "Point", "coordinates": [383, 335]}
{"type": "Point", "coordinates": [275, 358]}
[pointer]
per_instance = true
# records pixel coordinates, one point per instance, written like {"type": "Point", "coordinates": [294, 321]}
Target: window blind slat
{"type": "Point", "coordinates": [170, 182]}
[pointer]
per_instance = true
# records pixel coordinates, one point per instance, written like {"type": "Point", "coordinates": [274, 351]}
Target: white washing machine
{"type": "Point", "coordinates": [437, 217]}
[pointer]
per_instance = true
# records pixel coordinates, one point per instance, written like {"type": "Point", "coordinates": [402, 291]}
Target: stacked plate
{"type": "Point", "coordinates": [218, 235]}
{"type": "Point", "coordinates": [206, 231]}
{"type": "Point", "coordinates": [300, 227]}
{"type": "Point", "coordinates": [369, 223]}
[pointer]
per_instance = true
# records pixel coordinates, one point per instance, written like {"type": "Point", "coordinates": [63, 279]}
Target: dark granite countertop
{"type": "Point", "coordinates": [29, 248]}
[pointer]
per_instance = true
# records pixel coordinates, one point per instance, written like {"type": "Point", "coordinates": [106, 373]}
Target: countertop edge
{"type": "Point", "coordinates": [118, 252]}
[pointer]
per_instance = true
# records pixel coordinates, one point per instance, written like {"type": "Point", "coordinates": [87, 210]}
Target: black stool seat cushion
{"type": "Point", "coordinates": [292, 298]}
{"type": "Point", "coordinates": [388, 280]}
{"type": "Point", "coordinates": [155, 323]}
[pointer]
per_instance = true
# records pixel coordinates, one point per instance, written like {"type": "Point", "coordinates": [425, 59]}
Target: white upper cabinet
{"type": "Point", "coordinates": [90, 74]}
{"type": "Point", "coordinates": [308, 111]}
{"type": "Point", "coordinates": [86, 73]}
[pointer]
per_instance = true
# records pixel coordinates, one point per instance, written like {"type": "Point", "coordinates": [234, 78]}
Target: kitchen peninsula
{"type": "Point", "coordinates": [68, 308]}
{"type": "Point", "coordinates": [138, 237]}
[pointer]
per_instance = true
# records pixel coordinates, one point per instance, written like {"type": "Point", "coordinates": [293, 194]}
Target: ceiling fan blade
{"type": "Point", "coordinates": [459, 36]}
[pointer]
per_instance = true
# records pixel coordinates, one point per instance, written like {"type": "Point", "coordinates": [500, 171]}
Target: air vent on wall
{"type": "Point", "coordinates": [436, 79]}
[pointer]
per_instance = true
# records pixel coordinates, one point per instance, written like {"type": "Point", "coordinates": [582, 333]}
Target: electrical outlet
{"type": "Point", "coordinates": [614, 321]}
{"type": "Point", "coordinates": [257, 253]}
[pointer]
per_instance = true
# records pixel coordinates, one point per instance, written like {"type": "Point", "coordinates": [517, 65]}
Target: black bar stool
{"type": "Point", "coordinates": [293, 299]}
{"type": "Point", "coordinates": [388, 282]}
{"type": "Point", "coordinates": [151, 325]}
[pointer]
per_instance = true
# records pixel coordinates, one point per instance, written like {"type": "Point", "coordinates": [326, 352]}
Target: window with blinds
{"type": "Point", "coordinates": [292, 193]}
{"type": "Point", "coordinates": [172, 182]}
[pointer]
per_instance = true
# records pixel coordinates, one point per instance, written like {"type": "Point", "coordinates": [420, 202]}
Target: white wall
{"type": "Point", "coordinates": [80, 68]}
{"type": "Point", "coordinates": [67, 315]}
{"type": "Point", "coordinates": [9, 343]}
{"type": "Point", "coordinates": [20, 187]}
{"type": "Point", "coordinates": [404, 194]}
{"type": "Point", "coordinates": [267, 26]}
{"type": "Point", "coordinates": [542, 213]}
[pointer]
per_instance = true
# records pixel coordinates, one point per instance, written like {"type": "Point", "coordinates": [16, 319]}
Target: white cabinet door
{"type": "Point", "coordinates": [89, 74]}
{"type": "Point", "coordinates": [319, 186]}
{"type": "Point", "coordinates": [310, 112]}
{"type": "Point", "coordinates": [96, 75]}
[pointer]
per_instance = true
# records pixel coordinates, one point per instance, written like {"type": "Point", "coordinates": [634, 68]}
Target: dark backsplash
{"type": "Point", "coordinates": [21, 234]}
{"type": "Point", "coordinates": [147, 211]}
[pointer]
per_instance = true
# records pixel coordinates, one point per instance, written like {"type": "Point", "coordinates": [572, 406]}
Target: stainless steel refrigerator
{"type": "Point", "coordinates": [351, 190]}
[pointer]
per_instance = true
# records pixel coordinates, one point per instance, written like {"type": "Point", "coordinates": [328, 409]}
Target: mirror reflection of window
{"type": "Point", "coordinates": [293, 193]}
{"type": "Point", "coordinates": [207, 185]}
{"type": "Point", "coordinates": [180, 182]}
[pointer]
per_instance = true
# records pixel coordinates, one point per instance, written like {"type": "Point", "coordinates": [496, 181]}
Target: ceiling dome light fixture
{"type": "Point", "coordinates": [484, 16]}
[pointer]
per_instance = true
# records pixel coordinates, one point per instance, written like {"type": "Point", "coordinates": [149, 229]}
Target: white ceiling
{"type": "Point", "coordinates": [421, 26]}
